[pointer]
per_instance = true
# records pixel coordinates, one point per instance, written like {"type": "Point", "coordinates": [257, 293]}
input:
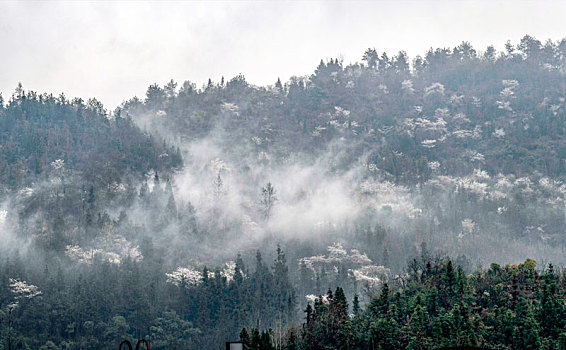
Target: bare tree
{"type": "Point", "coordinates": [268, 199]}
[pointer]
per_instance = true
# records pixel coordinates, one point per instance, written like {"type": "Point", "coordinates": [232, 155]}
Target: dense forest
{"type": "Point", "coordinates": [437, 305]}
{"type": "Point", "coordinates": [354, 208]}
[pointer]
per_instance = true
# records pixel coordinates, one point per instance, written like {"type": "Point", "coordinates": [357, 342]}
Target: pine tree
{"type": "Point", "coordinates": [265, 341]}
{"type": "Point", "coordinates": [356, 305]}
{"type": "Point", "coordinates": [552, 306]}
{"type": "Point", "coordinates": [205, 280]}
{"type": "Point", "coordinates": [308, 312]}
{"type": "Point", "coordinates": [245, 338]}
{"type": "Point", "coordinates": [525, 330]}
{"type": "Point", "coordinates": [380, 306]}
{"type": "Point", "coordinates": [255, 341]}
{"type": "Point", "coordinates": [305, 278]}
{"type": "Point", "coordinates": [239, 270]}
{"type": "Point", "coordinates": [278, 85]}
{"type": "Point", "coordinates": [292, 341]}
{"type": "Point", "coordinates": [449, 277]}
{"type": "Point", "coordinates": [144, 190]}
{"type": "Point", "coordinates": [385, 334]}
{"type": "Point", "coordinates": [268, 200]}
{"type": "Point", "coordinates": [282, 286]}
{"type": "Point", "coordinates": [171, 209]}
{"type": "Point", "coordinates": [340, 302]}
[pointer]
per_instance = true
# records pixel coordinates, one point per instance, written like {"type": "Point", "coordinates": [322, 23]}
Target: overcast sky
{"type": "Point", "coordinates": [114, 51]}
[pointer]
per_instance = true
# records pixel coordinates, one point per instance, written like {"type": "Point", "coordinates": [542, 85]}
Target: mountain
{"type": "Point", "coordinates": [191, 213]}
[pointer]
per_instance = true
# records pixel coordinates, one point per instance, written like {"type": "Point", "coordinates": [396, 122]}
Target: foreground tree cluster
{"type": "Point", "coordinates": [512, 307]}
{"type": "Point", "coordinates": [99, 305]}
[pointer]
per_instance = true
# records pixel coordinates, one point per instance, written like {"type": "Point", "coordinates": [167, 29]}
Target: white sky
{"type": "Point", "coordinates": [114, 51]}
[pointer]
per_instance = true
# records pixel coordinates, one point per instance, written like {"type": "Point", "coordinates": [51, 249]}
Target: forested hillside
{"type": "Point", "coordinates": [42, 133]}
{"type": "Point", "coordinates": [193, 212]}
{"type": "Point", "coordinates": [501, 111]}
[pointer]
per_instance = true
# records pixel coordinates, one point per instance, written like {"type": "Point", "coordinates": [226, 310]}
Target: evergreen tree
{"type": "Point", "coordinates": [356, 305]}
{"type": "Point", "coordinates": [525, 330]}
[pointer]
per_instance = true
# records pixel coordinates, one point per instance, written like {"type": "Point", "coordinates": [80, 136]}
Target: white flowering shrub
{"type": "Point", "coordinates": [112, 248]}
{"type": "Point", "coordinates": [468, 226]}
{"type": "Point", "coordinates": [22, 290]}
{"type": "Point", "coordinates": [499, 133]}
{"type": "Point", "coordinates": [433, 165]}
{"type": "Point", "coordinates": [184, 276]}
{"type": "Point", "coordinates": [58, 164]}
{"type": "Point", "coordinates": [407, 86]}
{"type": "Point", "coordinates": [311, 298]}
{"type": "Point", "coordinates": [189, 277]}
{"type": "Point", "coordinates": [218, 166]}
{"type": "Point", "coordinates": [428, 143]}
{"type": "Point", "coordinates": [231, 108]}
{"type": "Point", "coordinates": [434, 88]}
{"type": "Point", "coordinates": [372, 275]}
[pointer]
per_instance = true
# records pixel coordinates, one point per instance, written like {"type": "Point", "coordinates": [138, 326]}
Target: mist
{"type": "Point", "coordinates": [233, 205]}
